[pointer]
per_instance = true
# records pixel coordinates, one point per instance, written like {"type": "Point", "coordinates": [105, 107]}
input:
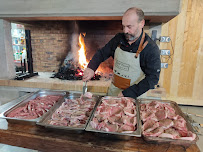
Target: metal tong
{"type": "Point", "coordinates": [84, 89]}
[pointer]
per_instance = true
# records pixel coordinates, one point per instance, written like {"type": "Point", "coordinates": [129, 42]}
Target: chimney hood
{"type": "Point", "coordinates": [155, 11]}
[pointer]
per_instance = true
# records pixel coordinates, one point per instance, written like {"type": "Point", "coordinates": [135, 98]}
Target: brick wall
{"type": "Point", "coordinates": [98, 33]}
{"type": "Point", "coordinates": [51, 41]}
{"type": "Point", "coordinates": [50, 44]}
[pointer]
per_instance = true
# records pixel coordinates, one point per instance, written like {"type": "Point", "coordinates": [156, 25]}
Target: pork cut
{"type": "Point", "coordinates": [155, 132]}
{"type": "Point", "coordinates": [166, 123]}
{"type": "Point", "coordinates": [150, 125]}
{"type": "Point", "coordinates": [115, 114]}
{"type": "Point", "coordinates": [160, 120]}
{"type": "Point", "coordinates": [73, 113]}
{"type": "Point", "coordinates": [34, 108]}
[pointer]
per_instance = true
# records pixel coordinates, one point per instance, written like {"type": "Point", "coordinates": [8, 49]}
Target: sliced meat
{"type": "Point", "coordinates": [88, 95]}
{"type": "Point", "coordinates": [152, 106]}
{"type": "Point", "coordinates": [154, 133]}
{"type": "Point", "coordinates": [166, 135]}
{"type": "Point", "coordinates": [180, 123]}
{"type": "Point", "coordinates": [94, 123]}
{"type": "Point", "coordinates": [110, 102]}
{"type": "Point", "coordinates": [113, 119]}
{"type": "Point", "coordinates": [174, 126]}
{"type": "Point", "coordinates": [148, 116]}
{"type": "Point", "coordinates": [150, 125]}
{"type": "Point", "coordinates": [130, 111]}
{"type": "Point", "coordinates": [16, 111]}
{"type": "Point", "coordinates": [190, 136]}
{"type": "Point", "coordinates": [174, 134]}
{"type": "Point", "coordinates": [166, 123]}
{"type": "Point", "coordinates": [34, 108]}
{"type": "Point", "coordinates": [59, 123]}
{"type": "Point", "coordinates": [115, 110]}
{"type": "Point", "coordinates": [75, 112]}
{"type": "Point", "coordinates": [183, 133]}
{"type": "Point", "coordinates": [142, 107]}
{"type": "Point", "coordinates": [130, 121]}
{"type": "Point", "coordinates": [161, 114]}
{"type": "Point", "coordinates": [111, 127]}
{"type": "Point", "coordinates": [126, 128]}
{"type": "Point", "coordinates": [101, 126]}
{"type": "Point", "coordinates": [116, 114]}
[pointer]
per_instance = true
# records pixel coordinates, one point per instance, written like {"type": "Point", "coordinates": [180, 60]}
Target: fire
{"type": "Point", "coordinates": [81, 52]}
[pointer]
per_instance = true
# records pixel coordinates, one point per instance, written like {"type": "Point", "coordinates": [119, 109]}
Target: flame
{"type": "Point", "coordinates": [81, 52]}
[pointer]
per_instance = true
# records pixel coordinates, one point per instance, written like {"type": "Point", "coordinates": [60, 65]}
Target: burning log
{"type": "Point", "coordinates": [72, 69]}
{"type": "Point", "coordinates": [72, 72]}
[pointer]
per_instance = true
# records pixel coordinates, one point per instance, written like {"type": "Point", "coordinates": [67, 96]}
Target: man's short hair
{"type": "Point", "coordinates": [138, 11]}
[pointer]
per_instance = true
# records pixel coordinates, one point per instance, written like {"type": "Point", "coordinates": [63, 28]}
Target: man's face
{"type": "Point", "coordinates": [132, 27]}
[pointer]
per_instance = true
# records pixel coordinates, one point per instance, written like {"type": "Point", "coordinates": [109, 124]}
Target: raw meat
{"type": "Point", "coordinates": [115, 115]}
{"type": "Point", "coordinates": [170, 133]}
{"type": "Point", "coordinates": [34, 108]}
{"type": "Point", "coordinates": [88, 95]}
{"type": "Point", "coordinates": [160, 120]}
{"type": "Point", "coordinates": [150, 125]}
{"type": "Point", "coordinates": [190, 136]}
{"type": "Point", "coordinates": [166, 123]}
{"type": "Point", "coordinates": [160, 114]}
{"type": "Point", "coordinates": [154, 133]}
{"type": "Point", "coordinates": [73, 113]}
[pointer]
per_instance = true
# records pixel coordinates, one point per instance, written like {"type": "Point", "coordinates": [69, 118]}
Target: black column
{"type": "Point", "coordinates": [29, 51]}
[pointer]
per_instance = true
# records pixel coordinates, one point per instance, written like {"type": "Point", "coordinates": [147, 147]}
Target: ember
{"type": "Point", "coordinates": [72, 68]}
{"type": "Point", "coordinates": [66, 73]}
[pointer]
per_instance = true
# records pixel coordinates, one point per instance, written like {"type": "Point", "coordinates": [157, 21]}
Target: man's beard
{"type": "Point", "coordinates": [130, 37]}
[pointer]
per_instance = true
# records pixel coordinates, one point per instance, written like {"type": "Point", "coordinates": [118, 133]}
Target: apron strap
{"type": "Point", "coordinates": [141, 45]}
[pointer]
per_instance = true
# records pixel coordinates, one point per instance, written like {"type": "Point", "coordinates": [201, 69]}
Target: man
{"type": "Point", "coordinates": [136, 58]}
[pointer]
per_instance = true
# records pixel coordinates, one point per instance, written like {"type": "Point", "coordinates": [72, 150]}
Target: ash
{"type": "Point", "coordinates": [71, 71]}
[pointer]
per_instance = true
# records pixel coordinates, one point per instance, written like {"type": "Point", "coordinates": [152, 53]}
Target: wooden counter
{"type": "Point", "coordinates": [42, 139]}
{"type": "Point", "coordinates": [44, 81]}
{"type": "Point", "coordinates": [46, 140]}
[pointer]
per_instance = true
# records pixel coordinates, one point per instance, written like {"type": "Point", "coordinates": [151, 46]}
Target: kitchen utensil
{"type": "Point", "coordinates": [84, 90]}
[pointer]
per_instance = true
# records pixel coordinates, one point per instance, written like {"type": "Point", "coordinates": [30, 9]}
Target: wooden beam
{"type": "Point", "coordinates": [198, 80]}
{"type": "Point", "coordinates": [178, 49]}
{"type": "Point", "coordinates": [190, 47]}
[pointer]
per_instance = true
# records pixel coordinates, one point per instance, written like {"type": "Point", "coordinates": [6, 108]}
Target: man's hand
{"type": "Point", "coordinates": [88, 74]}
{"type": "Point", "coordinates": [120, 94]}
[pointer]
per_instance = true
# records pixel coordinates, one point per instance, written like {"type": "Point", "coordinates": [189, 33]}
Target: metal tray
{"type": "Point", "coordinates": [23, 101]}
{"type": "Point", "coordinates": [47, 117]}
{"type": "Point", "coordinates": [168, 140]}
{"type": "Point", "coordinates": [125, 136]}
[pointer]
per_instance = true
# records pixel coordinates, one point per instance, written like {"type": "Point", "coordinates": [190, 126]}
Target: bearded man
{"type": "Point", "coordinates": [136, 57]}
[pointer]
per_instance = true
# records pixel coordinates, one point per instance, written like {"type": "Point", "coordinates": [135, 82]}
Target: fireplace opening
{"type": "Point", "coordinates": [55, 46]}
{"type": "Point", "coordinates": [75, 62]}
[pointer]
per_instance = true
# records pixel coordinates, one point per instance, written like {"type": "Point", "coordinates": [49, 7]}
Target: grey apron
{"type": "Point", "coordinates": [127, 70]}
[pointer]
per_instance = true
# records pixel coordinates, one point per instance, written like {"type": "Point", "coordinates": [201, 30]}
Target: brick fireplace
{"type": "Point", "coordinates": [52, 41]}
{"type": "Point", "coordinates": [49, 22]}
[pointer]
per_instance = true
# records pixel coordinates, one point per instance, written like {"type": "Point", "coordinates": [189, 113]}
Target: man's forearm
{"type": "Point", "coordinates": [143, 86]}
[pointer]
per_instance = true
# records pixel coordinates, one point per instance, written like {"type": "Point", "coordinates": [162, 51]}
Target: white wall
{"type": "Point", "coordinates": [7, 67]}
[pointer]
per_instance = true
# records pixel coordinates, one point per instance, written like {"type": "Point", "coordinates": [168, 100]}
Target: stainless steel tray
{"type": "Point", "coordinates": [47, 117]}
{"type": "Point", "coordinates": [125, 136]}
{"type": "Point", "coordinates": [168, 140]}
{"type": "Point", "coordinates": [23, 101]}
